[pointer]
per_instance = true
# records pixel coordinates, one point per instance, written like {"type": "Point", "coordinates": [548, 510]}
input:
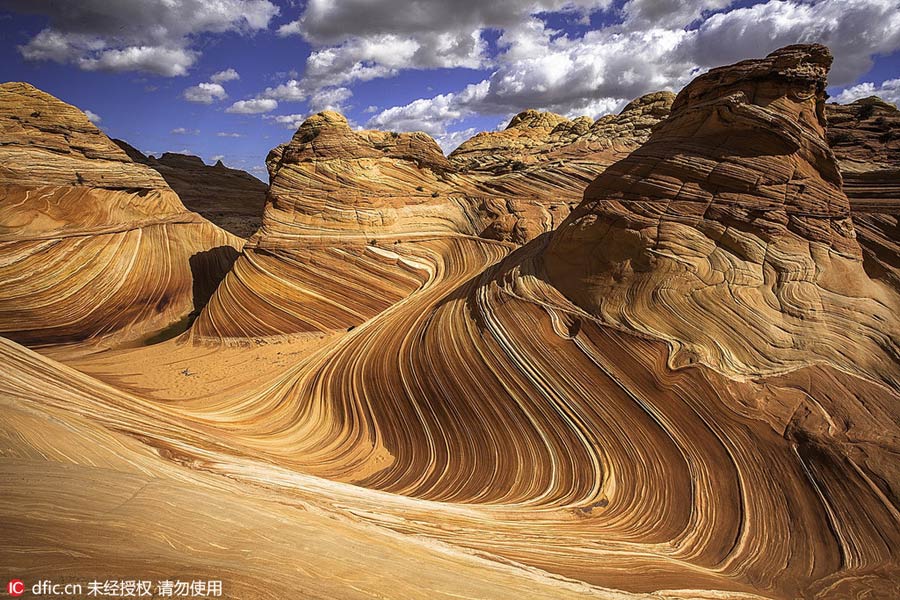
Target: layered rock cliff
{"type": "Point", "coordinates": [534, 172]}
{"type": "Point", "coordinates": [865, 137]}
{"type": "Point", "coordinates": [231, 198]}
{"type": "Point", "coordinates": [728, 235]}
{"type": "Point", "coordinates": [94, 245]}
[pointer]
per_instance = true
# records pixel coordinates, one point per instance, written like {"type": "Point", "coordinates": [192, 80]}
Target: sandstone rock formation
{"type": "Point", "coordinates": [533, 137]}
{"type": "Point", "coordinates": [341, 200]}
{"type": "Point", "coordinates": [695, 377]}
{"type": "Point", "coordinates": [338, 201]}
{"type": "Point", "coordinates": [689, 390]}
{"type": "Point", "coordinates": [93, 244]}
{"type": "Point", "coordinates": [864, 133]}
{"type": "Point", "coordinates": [230, 198]}
{"type": "Point", "coordinates": [865, 137]}
{"type": "Point", "coordinates": [733, 207]}
{"type": "Point", "coordinates": [330, 179]}
{"type": "Point", "coordinates": [534, 172]}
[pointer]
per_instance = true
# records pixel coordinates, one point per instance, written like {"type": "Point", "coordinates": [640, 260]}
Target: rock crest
{"type": "Point", "coordinates": [727, 233]}
{"type": "Point", "coordinates": [95, 245]}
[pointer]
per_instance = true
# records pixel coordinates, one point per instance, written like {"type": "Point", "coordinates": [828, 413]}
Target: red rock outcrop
{"type": "Point", "coordinates": [727, 233]}
{"type": "Point", "coordinates": [231, 198]}
{"type": "Point", "coordinates": [865, 137]}
{"type": "Point", "coordinates": [94, 245]}
{"type": "Point", "coordinates": [339, 196]}
{"type": "Point", "coordinates": [535, 137]}
{"type": "Point", "coordinates": [325, 257]}
{"type": "Point", "coordinates": [687, 391]}
{"type": "Point", "coordinates": [533, 173]}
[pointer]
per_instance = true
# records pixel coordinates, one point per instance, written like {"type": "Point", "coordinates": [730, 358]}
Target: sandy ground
{"type": "Point", "coordinates": [185, 369]}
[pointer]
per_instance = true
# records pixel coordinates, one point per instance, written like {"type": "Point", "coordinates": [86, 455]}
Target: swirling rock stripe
{"type": "Point", "coordinates": [94, 246]}
{"type": "Point", "coordinates": [476, 411]}
{"type": "Point", "coordinates": [728, 236]}
{"type": "Point", "coordinates": [107, 506]}
{"type": "Point", "coordinates": [551, 441]}
{"type": "Point", "coordinates": [269, 293]}
{"type": "Point", "coordinates": [135, 283]}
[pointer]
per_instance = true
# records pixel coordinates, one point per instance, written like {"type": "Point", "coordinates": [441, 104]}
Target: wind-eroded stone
{"type": "Point", "coordinates": [341, 197]}
{"type": "Point", "coordinates": [727, 233]}
{"type": "Point", "coordinates": [230, 198]}
{"type": "Point", "coordinates": [325, 257]}
{"type": "Point", "coordinates": [483, 430]}
{"type": "Point", "coordinates": [94, 245]}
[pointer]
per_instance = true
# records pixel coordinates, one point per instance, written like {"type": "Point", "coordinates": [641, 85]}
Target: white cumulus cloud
{"type": "Point", "coordinates": [359, 40]}
{"type": "Point", "coordinates": [225, 76]}
{"type": "Point", "coordinates": [288, 121]}
{"type": "Point", "coordinates": [657, 45]}
{"type": "Point", "coordinates": [92, 116]}
{"type": "Point", "coordinates": [289, 91]}
{"type": "Point", "coordinates": [450, 140]}
{"type": "Point", "coordinates": [889, 91]}
{"type": "Point", "coordinates": [252, 107]}
{"type": "Point", "coordinates": [154, 36]}
{"type": "Point", "coordinates": [205, 93]}
{"type": "Point", "coordinates": [329, 99]}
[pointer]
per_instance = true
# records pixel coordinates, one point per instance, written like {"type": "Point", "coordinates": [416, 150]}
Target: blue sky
{"type": "Point", "coordinates": [234, 78]}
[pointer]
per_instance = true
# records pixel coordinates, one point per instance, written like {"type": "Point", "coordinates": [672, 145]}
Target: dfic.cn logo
{"type": "Point", "coordinates": [15, 587]}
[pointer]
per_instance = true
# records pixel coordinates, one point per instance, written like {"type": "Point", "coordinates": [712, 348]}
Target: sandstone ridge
{"type": "Point", "coordinates": [733, 207]}
{"type": "Point", "coordinates": [231, 198]}
{"type": "Point", "coordinates": [95, 245]}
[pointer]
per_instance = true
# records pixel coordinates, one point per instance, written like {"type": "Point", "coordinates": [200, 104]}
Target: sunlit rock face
{"type": "Point", "coordinates": [93, 244]}
{"type": "Point", "coordinates": [727, 234]}
{"type": "Point", "coordinates": [329, 255]}
{"type": "Point", "coordinates": [535, 137]}
{"type": "Point", "coordinates": [339, 202]}
{"type": "Point", "coordinates": [531, 174]}
{"type": "Point", "coordinates": [332, 180]}
{"type": "Point", "coordinates": [465, 417]}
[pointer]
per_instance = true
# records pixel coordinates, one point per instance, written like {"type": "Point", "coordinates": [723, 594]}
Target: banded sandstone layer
{"type": "Point", "coordinates": [865, 136]}
{"type": "Point", "coordinates": [500, 423]}
{"type": "Point", "coordinates": [531, 174]}
{"type": "Point", "coordinates": [342, 203]}
{"type": "Point", "coordinates": [94, 245]}
{"type": "Point", "coordinates": [728, 235]}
